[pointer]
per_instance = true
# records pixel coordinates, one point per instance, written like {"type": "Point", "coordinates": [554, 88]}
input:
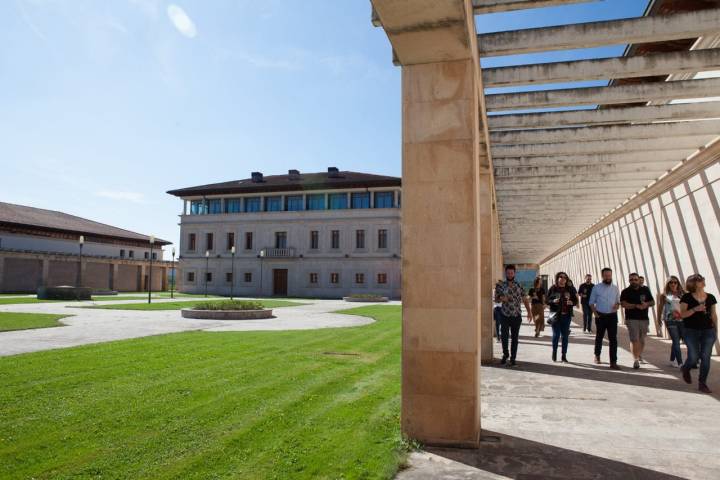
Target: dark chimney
{"type": "Point", "coordinates": [333, 172]}
{"type": "Point", "coordinates": [294, 174]}
{"type": "Point", "coordinates": [257, 177]}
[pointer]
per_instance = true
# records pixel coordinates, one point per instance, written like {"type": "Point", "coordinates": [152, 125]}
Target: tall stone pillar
{"type": "Point", "coordinates": [441, 254]}
{"type": "Point", "coordinates": [487, 268]}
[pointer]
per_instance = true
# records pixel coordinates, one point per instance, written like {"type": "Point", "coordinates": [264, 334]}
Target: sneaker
{"type": "Point", "coordinates": [513, 363]}
{"type": "Point", "coordinates": [564, 359]}
{"type": "Point", "coordinates": [554, 356]}
{"type": "Point", "coordinates": [615, 366]}
{"type": "Point", "coordinates": [636, 365]}
{"type": "Point", "coordinates": [673, 365]}
{"type": "Point", "coordinates": [642, 360]}
{"type": "Point", "coordinates": [537, 334]}
{"type": "Point", "coordinates": [704, 388]}
{"type": "Point", "coordinates": [503, 360]}
{"type": "Point", "coordinates": [686, 376]}
{"type": "Point", "coordinates": [597, 360]}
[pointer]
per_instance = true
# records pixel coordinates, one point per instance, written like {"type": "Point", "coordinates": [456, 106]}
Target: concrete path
{"type": "Point", "coordinates": [98, 325]}
{"type": "Point", "coordinates": [545, 420]}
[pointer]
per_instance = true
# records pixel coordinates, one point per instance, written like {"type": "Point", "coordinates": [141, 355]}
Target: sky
{"type": "Point", "coordinates": [106, 105]}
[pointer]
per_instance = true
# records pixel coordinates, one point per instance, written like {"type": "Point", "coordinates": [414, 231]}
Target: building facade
{"type": "Point", "coordinates": [42, 248]}
{"type": "Point", "coordinates": [323, 235]}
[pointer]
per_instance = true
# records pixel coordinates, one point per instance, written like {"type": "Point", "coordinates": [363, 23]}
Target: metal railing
{"type": "Point", "coordinates": [278, 252]}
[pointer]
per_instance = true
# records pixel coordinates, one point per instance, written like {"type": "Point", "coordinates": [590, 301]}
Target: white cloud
{"type": "Point", "coordinates": [134, 197]}
{"type": "Point", "coordinates": [181, 21]}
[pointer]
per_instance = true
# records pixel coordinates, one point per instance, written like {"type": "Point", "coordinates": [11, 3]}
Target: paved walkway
{"type": "Point", "coordinates": [545, 420]}
{"type": "Point", "coordinates": [100, 325]}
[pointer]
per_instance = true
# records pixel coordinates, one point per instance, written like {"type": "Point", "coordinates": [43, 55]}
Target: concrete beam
{"type": "Point", "coordinates": [600, 69]}
{"type": "Point", "coordinates": [640, 92]}
{"type": "Point", "coordinates": [589, 170]}
{"type": "Point", "coordinates": [481, 7]}
{"type": "Point", "coordinates": [602, 146]}
{"type": "Point", "coordinates": [614, 32]}
{"type": "Point", "coordinates": [645, 114]}
{"type": "Point", "coordinates": [620, 132]}
{"type": "Point", "coordinates": [649, 157]}
{"type": "Point", "coordinates": [627, 187]}
{"type": "Point", "coordinates": [610, 180]}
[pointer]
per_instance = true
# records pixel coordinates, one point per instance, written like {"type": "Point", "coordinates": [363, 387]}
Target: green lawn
{"type": "Point", "coordinates": [24, 321]}
{"type": "Point", "coordinates": [184, 304]}
{"type": "Point", "coordinates": [199, 405]}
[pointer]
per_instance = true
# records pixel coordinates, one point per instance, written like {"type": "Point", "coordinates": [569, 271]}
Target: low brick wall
{"type": "Point", "coordinates": [226, 314]}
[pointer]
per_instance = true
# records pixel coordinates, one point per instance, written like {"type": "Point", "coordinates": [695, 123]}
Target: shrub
{"type": "Point", "coordinates": [364, 295]}
{"type": "Point", "coordinates": [229, 305]}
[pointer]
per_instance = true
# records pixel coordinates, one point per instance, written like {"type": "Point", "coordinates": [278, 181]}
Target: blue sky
{"type": "Point", "coordinates": [108, 104]}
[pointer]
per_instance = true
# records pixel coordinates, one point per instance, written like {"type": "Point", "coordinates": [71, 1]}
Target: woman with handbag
{"type": "Point", "coordinates": [562, 299]}
{"type": "Point", "coordinates": [668, 311]}
{"type": "Point", "coordinates": [537, 305]}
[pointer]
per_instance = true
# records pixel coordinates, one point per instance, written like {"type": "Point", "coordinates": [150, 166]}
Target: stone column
{"type": "Point", "coordinates": [45, 272]}
{"type": "Point", "coordinates": [114, 275]}
{"type": "Point", "coordinates": [487, 267]}
{"type": "Point", "coordinates": [440, 278]}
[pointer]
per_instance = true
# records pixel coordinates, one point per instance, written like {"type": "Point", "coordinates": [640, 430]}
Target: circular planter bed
{"type": "Point", "coordinates": [366, 299]}
{"type": "Point", "coordinates": [226, 314]}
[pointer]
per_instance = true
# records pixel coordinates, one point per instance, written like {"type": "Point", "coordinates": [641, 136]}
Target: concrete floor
{"type": "Point", "coordinates": [96, 325]}
{"type": "Point", "coordinates": [545, 420]}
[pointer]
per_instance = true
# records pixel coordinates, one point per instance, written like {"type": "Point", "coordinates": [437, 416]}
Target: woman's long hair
{"type": "Point", "coordinates": [557, 277]}
{"type": "Point", "coordinates": [537, 283]}
{"type": "Point", "coordinates": [667, 290]}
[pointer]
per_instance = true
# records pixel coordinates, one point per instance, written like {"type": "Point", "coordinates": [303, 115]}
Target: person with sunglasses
{"type": "Point", "coordinates": [561, 298]}
{"type": "Point", "coordinates": [604, 301]}
{"type": "Point", "coordinates": [668, 311]}
{"type": "Point", "coordinates": [637, 300]}
{"type": "Point", "coordinates": [698, 311]}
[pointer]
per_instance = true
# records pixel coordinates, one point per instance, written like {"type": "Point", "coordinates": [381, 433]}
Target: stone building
{"type": "Point", "coordinates": [327, 234]}
{"type": "Point", "coordinates": [42, 247]}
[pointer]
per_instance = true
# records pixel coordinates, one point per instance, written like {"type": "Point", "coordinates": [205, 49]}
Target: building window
{"type": "Point", "coordinates": [230, 240]}
{"type": "Point", "coordinates": [192, 238]}
{"type": "Point", "coordinates": [198, 207]}
{"type": "Point", "coordinates": [383, 200]}
{"type": "Point", "coordinates": [359, 239]}
{"type": "Point", "coordinates": [335, 239]}
{"type": "Point", "coordinates": [228, 277]}
{"type": "Point", "coordinates": [248, 277]}
{"type": "Point", "coordinates": [293, 203]}
{"type": "Point", "coordinates": [314, 278]}
{"type": "Point", "coordinates": [335, 278]}
{"type": "Point", "coordinates": [359, 278]}
{"type": "Point", "coordinates": [147, 255]}
{"type": "Point", "coordinates": [154, 256]}
{"type": "Point", "coordinates": [280, 239]}
{"type": "Point", "coordinates": [191, 277]}
{"type": "Point", "coordinates": [208, 277]}
{"type": "Point", "coordinates": [382, 238]}
{"type": "Point", "coordinates": [252, 204]}
{"type": "Point", "coordinates": [248, 240]}
{"type": "Point", "coordinates": [273, 204]}
{"type": "Point", "coordinates": [382, 278]}
{"type": "Point", "coordinates": [215, 206]}
{"type": "Point", "coordinates": [314, 240]}
{"type": "Point", "coordinates": [131, 254]}
{"type": "Point", "coordinates": [360, 200]}
{"type": "Point", "coordinates": [233, 205]}
{"type": "Point", "coordinates": [338, 201]}
{"type": "Point", "coordinates": [122, 253]}
{"type": "Point", "coordinates": [316, 201]}
{"type": "Point", "coordinates": [209, 241]}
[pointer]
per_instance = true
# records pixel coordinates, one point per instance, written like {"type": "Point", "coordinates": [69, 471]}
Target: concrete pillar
{"type": "Point", "coordinates": [441, 290]}
{"type": "Point", "coordinates": [45, 272]}
{"type": "Point", "coordinates": [487, 239]}
{"type": "Point", "coordinates": [114, 275]}
{"type": "Point", "coordinates": [141, 278]}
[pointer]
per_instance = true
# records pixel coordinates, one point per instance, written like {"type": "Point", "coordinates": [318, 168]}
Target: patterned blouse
{"type": "Point", "coordinates": [515, 294]}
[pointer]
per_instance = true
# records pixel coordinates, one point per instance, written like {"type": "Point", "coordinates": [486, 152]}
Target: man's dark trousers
{"type": "Point", "coordinates": [510, 327]}
{"type": "Point", "coordinates": [607, 322]}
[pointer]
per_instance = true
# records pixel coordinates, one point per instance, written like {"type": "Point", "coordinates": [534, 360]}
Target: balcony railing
{"type": "Point", "coordinates": [278, 252]}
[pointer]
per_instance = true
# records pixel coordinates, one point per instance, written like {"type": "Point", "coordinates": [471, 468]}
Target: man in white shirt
{"type": "Point", "coordinates": [605, 301]}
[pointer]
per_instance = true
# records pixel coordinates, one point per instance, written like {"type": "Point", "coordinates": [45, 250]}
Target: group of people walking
{"type": "Point", "coordinates": [689, 314]}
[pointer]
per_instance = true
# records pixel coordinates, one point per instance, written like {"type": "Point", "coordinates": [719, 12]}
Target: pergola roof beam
{"type": "Point", "coordinates": [648, 157]}
{"type": "Point", "coordinates": [603, 69]}
{"type": "Point", "coordinates": [645, 114]}
{"type": "Point", "coordinates": [559, 171]}
{"type": "Point", "coordinates": [601, 146]}
{"type": "Point", "coordinates": [606, 132]}
{"type": "Point", "coordinates": [640, 92]}
{"type": "Point", "coordinates": [614, 32]}
{"type": "Point", "coordinates": [481, 7]}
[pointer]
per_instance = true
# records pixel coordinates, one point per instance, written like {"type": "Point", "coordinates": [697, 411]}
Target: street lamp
{"type": "Point", "coordinates": [81, 242]}
{"type": "Point", "coordinates": [172, 273]}
{"type": "Point", "coordinates": [152, 242]}
{"type": "Point", "coordinates": [232, 269]}
{"type": "Point", "coordinates": [207, 266]}
{"type": "Point", "coordinates": [262, 255]}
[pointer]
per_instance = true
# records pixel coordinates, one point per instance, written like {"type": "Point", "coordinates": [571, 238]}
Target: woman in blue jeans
{"type": "Point", "coordinates": [561, 299]}
{"type": "Point", "coordinates": [697, 308]}
{"type": "Point", "coordinates": [668, 311]}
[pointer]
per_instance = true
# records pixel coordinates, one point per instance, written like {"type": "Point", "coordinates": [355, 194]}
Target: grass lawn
{"type": "Point", "coordinates": [184, 304]}
{"type": "Point", "coordinates": [200, 405]}
{"type": "Point", "coordinates": [24, 321]}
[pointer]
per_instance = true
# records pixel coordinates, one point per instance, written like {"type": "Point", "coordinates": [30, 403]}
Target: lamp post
{"type": "Point", "coordinates": [207, 266]}
{"type": "Point", "coordinates": [81, 242]}
{"type": "Point", "coordinates": [262, 255]}
{"type": "Point", "coordinates": [232, 269]}
{"type": "Point", "coordinates": [152, 242]}
{"type": "Point", "coordinates": [172, 273]}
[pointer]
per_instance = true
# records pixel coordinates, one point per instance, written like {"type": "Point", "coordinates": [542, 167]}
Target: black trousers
{"type": "Point", "coordinates": [607, 322]}
{"type": "Point", "coordinates": [510, 327]}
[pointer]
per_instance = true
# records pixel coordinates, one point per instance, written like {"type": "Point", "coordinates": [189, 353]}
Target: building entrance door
{"type": "Point", "coordinates": [280, 281]}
